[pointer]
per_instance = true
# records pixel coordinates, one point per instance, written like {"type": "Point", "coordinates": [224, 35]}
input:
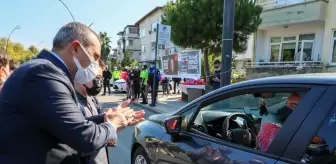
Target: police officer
{"type": "Point", "coordinates": [154, 74]}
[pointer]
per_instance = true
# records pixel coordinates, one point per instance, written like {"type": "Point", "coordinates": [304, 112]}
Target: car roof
{"type": "Point", "coordinates": [316, 78]}
{"type": "Point", "coordinates": [307, 79]}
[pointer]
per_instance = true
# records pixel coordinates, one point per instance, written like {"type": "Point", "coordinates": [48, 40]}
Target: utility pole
{"type": "Point", "coordinates": [227, 41]}
{"type": "Point", "coordinates": [155, 69]}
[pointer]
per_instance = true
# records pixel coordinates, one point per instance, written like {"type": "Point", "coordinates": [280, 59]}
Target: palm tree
{"type": "Point", "coordinates": [105, 48]}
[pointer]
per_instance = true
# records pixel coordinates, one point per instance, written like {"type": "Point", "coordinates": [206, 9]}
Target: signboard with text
{"type": "Point", "coordinates": [164, 34]}
{"type": "Point", "coordinates": [186, 64]}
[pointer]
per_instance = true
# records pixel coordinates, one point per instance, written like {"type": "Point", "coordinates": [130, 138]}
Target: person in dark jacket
{"type": "Point", "coordinates": [136, 85]}
{"type": "Point", "coordinates": [177, 82]}
{"type": "Point", "coordinates": [89, 105]}
{"type": "Point", "coordinates": [154, 74]}
{"type": "Point", "coordinates": [39, 111]}
{"type": "Point", "coordinates": [107, 75]}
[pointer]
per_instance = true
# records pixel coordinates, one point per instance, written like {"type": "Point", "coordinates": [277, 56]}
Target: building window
{"type": "Point", "coordinates": [297, 48]}
{"type": "Point", "coordinates": [143, 48]}
{"type": "Point", "coordinates": [154, 25]}
{"type": "Point", "coordinates": [142, 32]}
{"type": "Point", "coordinates": [129, 42]}
{"type": "Point", "coordinates": [132, 30]}
{"type": "Point", "coordinates": [153, 46]}
{"type": "Point", "coordinates": [333, 48]}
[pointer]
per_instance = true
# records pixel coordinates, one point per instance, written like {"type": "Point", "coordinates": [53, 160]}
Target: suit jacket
{"type": "Point", "coordinates": [90, 107]}
{"type": "Point", "coordinates": [40, 121]}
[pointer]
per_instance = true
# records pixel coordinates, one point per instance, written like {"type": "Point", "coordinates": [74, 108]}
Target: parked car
{"type": "Point", "coordinates": [119, 85]}
{"type": "Point", "coordinates": [229, 125]}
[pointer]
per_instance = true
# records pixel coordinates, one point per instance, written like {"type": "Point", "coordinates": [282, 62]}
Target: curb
{"type": "Point", "coordinates": [147, 107]}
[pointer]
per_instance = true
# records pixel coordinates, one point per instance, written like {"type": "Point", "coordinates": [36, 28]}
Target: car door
{"type": "Point", "coordinates": [319, 124]}
{"type": "Point", "coordinates": [193, 146]}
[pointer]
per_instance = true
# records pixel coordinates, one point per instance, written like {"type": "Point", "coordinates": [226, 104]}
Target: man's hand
{"type": "Point", "coordinates": [123, 116]}
{"type": "Point", "coordinates": [216, 79]}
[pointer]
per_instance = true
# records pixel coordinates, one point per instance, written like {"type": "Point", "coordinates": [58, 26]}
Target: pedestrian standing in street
{"type": "Point", "coordinates": [115, 74]}
{"type": "Point", "coordinates": [129, 83]}
{"type": "Point", "coordinates": [165, 86]}
{"type": "Point", "coordinates": [124, 76]}
{"type": "Point", "coordinates": [131, 78]}
{"type": "Point", "coordinates": [215, 79]}
{"type": "Point", "coordinates": [136, 86]}
{"type": "Point", "coordinates": [154, 74]}
{"type": "Point", "coordinates": [144, 84]}
{"type": "Point", "coordinates": [107, 75]}
{"type": "Point", "coordinates": [39, 108]}
{"type": "Point", "coordinates": [177, 82]}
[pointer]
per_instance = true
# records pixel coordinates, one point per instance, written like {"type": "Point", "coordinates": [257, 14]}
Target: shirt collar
{"type": "Point", "coordinates": [59, 58]}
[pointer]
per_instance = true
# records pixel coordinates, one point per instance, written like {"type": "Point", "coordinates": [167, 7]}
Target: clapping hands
{"type": "Point", "coordinates": [123, 116]}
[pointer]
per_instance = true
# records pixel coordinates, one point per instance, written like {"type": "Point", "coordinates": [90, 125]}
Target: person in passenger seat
{"type": "Point", "coordinates": [269, 130]}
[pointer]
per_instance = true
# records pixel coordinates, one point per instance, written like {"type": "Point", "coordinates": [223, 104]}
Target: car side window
{"type": "Point", "coordinates": [323, 146]}
{"type": "Point", "coordinates": [261, 116]}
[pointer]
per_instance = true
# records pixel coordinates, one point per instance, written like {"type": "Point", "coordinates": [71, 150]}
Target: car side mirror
{"type": "Point", "coordinates": [173, 125]}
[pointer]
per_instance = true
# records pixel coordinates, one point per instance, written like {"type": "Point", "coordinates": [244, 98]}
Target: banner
{"type": "Point", "coordinates": [186, 64]}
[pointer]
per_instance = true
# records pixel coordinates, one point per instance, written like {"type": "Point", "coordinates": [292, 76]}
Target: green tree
{"type": "Point", "coordinates": [33, 49]}
{"type": "Point", "coordinates": [128, 60]}
{"type": "Point", "coordinates": [15, 51]}
{"type": "Point", "coordinates": [105, 48]}
{"type": "Point", "coordinates": [198, 24]}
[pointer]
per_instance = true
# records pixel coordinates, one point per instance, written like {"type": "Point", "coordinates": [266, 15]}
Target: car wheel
{"type": "Point", "coordinates": [140, 156]}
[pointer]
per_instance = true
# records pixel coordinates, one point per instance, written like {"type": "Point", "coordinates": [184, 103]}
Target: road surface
{"type": "Point", "coordinates": [122, 153]}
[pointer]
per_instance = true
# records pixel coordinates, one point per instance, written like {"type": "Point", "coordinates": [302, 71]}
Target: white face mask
{"type": "Point", "coordinates": [85, 75]}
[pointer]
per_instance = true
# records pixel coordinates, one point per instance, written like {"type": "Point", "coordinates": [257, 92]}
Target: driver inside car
{"type": "Point", "coordinates": [269, 130]}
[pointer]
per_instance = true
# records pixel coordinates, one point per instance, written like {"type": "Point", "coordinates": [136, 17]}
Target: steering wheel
{"type": "Point", "coordinates": [242, 136]}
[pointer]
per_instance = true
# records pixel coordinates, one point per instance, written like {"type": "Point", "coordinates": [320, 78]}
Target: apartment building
{"type": "Point", "coordinates": [129, 42]}
{"type": "Point", "coordinates": [147, 30]}
{"type": "Point", "coordinates": [296, 36]}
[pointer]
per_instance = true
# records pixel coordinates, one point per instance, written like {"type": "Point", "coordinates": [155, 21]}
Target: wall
{"type": "Point", "coordinates": [330, 25]}
{"type": "Point", "coordinates": [148, 38]}
{"type": "Point", "coordinates": [310, 10]}
{"type": "Point", "coordinates": [260, 72]}
{"type": "Point", "coordinates": [263, 37]}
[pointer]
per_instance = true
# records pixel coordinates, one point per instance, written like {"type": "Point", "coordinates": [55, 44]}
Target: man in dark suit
{"type": "Point", "coordinates": [40, 119]}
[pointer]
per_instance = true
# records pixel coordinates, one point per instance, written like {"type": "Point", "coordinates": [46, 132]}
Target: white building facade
{"type": "Point", "coordinates": [296, 36]}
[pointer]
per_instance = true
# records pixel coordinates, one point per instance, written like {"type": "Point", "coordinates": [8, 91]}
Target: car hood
{"type": "Point", "coordinates": [158, 118]}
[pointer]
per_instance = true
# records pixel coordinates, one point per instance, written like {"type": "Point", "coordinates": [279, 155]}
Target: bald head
{"type": "Point", "coordinates": [71, 32]}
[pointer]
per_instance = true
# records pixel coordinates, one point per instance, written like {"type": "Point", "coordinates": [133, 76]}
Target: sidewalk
{"type": "Point", "coordinates": [165, 104]}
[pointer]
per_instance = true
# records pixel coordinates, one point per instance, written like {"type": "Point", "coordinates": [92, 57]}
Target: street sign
{"type": "Point", "coordinates": [164, 32]}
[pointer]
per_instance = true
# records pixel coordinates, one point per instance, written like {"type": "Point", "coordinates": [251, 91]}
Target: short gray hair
{"type": "Point", "coordinates": [70, 32]}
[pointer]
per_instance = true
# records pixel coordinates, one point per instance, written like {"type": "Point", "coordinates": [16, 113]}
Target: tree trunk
{"type": "Point", "coordinates": [206, 66]}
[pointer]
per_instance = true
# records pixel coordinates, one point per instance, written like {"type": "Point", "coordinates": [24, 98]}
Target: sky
{"type": "Point", "coordinates": [40, 19]}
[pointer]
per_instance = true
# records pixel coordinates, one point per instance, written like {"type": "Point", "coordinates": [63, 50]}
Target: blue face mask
{"type": "Point", "coordinates": [152, 66]}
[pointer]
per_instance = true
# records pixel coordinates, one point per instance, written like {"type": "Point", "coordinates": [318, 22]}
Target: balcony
{"type": "Point", "coordinates": [132, 32]}
{"type": "Point", "coordinates": [285, 12]}
{"type": "Point", "coordinates": [256, 70]}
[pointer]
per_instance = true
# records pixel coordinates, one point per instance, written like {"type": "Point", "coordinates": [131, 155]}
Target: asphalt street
{"type": "Point", "coordinates": [122, 153]}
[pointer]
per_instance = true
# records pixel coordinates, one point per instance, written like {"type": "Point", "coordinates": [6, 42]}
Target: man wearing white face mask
{"type": "Point", "coordinates": [39, 109]}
